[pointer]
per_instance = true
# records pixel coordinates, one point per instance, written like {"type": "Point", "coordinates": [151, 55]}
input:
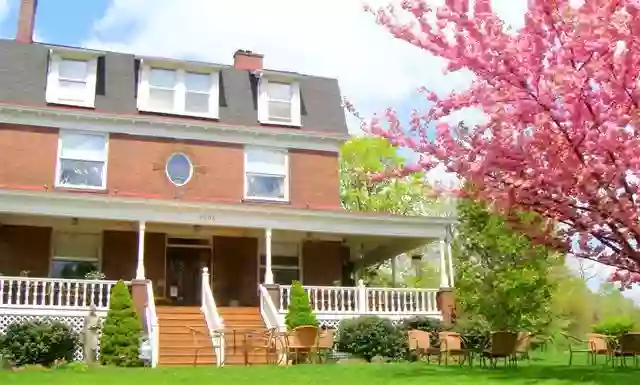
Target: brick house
{"type": "Point", "coordinates": [208, 188]}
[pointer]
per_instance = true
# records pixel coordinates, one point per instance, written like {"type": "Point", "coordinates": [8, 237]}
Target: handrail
{"type": "Point", "coordinates": [214, 322]}
{"type": "Point", "coordinates": [268, 310]}
{"type": "Point", "coordinates": [153, 328]}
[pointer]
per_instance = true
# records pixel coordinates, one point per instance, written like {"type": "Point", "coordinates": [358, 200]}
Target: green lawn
{"type": "Point", "coordinates": [551, 371]}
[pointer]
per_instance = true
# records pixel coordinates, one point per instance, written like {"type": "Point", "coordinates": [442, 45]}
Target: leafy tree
{"type": "Point", "coordinates": [561, 100]}
{"type": "Point", "coordinates": [121, 331]}
{"type": "Point", "coordinates": [299, 312]}
{"type": "Point", "coordinates": [503, 281]}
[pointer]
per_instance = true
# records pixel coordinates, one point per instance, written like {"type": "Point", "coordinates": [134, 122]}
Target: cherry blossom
{"type": "Point", "coordinates": [561, 97]}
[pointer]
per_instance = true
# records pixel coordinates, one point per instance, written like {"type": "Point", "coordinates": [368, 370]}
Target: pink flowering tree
{"type": "Point", "coordinates": [561, 98]}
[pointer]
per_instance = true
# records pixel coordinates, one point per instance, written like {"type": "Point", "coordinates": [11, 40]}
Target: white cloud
{"type": "Point", "coordinates": [333, 38]}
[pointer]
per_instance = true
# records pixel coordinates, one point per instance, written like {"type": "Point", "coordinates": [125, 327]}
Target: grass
{"type": "Point", "coordinates": [547, 370]}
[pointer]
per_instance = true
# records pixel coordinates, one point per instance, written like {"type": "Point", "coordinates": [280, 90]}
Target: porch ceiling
{"type": "Point", "coordinates": [390, 233]}
{"type": "Point", "coordinates": [369, 250]}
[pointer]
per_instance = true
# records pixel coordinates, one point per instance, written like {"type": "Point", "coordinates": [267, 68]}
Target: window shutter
{"type": "Point", "coordinates": [52, 78]}
{"type": "Point", "coordinates": [214, 94]}
{"type": "Point", "coordinates": [143, 86]}
{"type": "Point", "coordinates": [263, 101]}
{"type": "Point", "coordinates": [101, 77]}
{"type": "Point", "coordinates": [92, 67]}
{"type": "Point", "coordinates": [296, 111]}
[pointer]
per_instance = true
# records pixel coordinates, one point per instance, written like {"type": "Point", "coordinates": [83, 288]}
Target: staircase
{"type": "Point", "coordinates": [238, 320]}
{"type": "Point", "coordinates": [177, 343]}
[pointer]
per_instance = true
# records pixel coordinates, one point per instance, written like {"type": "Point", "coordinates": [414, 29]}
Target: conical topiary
{"type": "Point", "coordinates": [121, 330]}
{"type": "Point", "coordinates": [299, 312]}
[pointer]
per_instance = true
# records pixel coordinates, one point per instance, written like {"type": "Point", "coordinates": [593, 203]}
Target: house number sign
{"type": "Point", "coordinates": [207, 218]}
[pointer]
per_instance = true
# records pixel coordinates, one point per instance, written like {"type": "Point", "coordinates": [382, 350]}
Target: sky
{"type": "Point", "coordinates": [333, 38]}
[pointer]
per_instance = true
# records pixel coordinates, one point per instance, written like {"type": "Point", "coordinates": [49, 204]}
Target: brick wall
{"type": "Point", "coordinates": [136, 168]}
{"type": "Point", "coordinates": [25, 248]}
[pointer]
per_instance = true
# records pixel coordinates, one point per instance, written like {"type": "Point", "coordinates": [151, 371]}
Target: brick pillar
{"type": "Point", "coordinates": [139, 296]}
{"type": "Point", "coordinates": [446, 302]}
{"type": "Point", "coordinates": [26, 21]}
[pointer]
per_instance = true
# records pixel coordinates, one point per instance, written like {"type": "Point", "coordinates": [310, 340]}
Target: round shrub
{"type": "Point", "coordinates": [38, 343]}
{"type": "Point", "coordinates": [299, 312]}
{"type": "Point", "coordinates": [370, 336]}
{"type": "Point", "coordinates": [121, 331]}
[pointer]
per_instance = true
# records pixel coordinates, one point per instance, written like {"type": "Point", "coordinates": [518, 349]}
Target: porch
{"type": "Point", "coordinates": [60, 255]}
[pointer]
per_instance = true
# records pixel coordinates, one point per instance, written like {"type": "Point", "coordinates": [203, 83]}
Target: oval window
{"type": "Point", "coordinates": [179, 169]}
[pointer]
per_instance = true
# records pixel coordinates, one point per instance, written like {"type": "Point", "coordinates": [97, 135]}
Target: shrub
{"type": "Point", "coordinates": [371, 336]}
{"type": "Point", "coordinates": [615, 326]}
{"type": "Point", "coordinates": [38, 343]}
{"type": "Point", "coordinates": [299, 312]}
{"type": "Point", "coordinates": [121, 331]}
{"type": "Point", "coordinates": [427, 324]}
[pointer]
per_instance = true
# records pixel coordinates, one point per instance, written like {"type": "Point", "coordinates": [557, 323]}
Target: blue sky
{"type": "Point", "coordinates": [375, 71]}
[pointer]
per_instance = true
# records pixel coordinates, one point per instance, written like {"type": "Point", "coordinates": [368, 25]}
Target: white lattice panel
{"type": "Point", "coordinates": [76, 323]}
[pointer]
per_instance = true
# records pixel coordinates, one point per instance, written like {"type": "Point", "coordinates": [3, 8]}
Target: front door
{"type": "Point", "coordinates": [184, 274]}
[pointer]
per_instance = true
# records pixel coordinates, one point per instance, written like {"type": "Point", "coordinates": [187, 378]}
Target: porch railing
{"type": "Point", "coordinates": [153, 329]}
{"type": "Point", "coordinates": [359, 299]}
{"type": "Point", "coordinates": [269, 311]}
{"type": "Point", "coordinates": [213, 319]}
{"type": "Point", "coordinates": [53, 293]}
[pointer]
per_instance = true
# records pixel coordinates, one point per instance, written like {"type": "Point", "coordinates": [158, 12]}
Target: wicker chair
{"type": "Point", "coordinates": [629, 346]}
{"type": "Point", "coordinates": [451, 345]}
{"type": "Point", "coordinates": [420, 343]}
{"type": "Point", "coordinates": [503, 345]}
{"type": "Point", "coordinates": [303, 340]}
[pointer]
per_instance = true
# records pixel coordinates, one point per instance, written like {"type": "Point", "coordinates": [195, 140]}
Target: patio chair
{"type": "Point", "coordinates": [420, 343]}
{"type": "Point", "coordinates": [451, 345]}
{"type": "Point", "coordinates": [629, 346]}
{"type": "Point", "coordinates": [593, 346]}
{"type": "Point", "coordinates": [197, 338]}
{"type": "Point", "coordinates": [503, 345]}
{"type": "Point", "coordinates": [523, 345]}
{"type": "Point", "coordinates": [302, 340]}
{"type": "Point", "coordinates": [261, 341]}
{"type": "Point", "coordinates": [325, 344]}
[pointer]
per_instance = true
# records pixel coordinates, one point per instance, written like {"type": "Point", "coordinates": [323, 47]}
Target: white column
{"type": "Point", "coordinates": [268, 274]}
{"type": "Point", "coordinates": [450, 254]}
{"type": "Point", "coordinates": [444, 280]}
{"type": "Point", "coordinates": [140, 267]}
{"type": "Point", "coordinates": [393, 271]}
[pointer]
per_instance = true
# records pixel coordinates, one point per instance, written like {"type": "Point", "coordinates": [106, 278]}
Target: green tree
{"type": "Point", "coordinates": [121, 331]}
{"type": "Point", "coordinates": [363, 156]}
{"type": "Point", "coordinates": [503, 280]}
{"type": "Point", "coordinates": [299, 312]}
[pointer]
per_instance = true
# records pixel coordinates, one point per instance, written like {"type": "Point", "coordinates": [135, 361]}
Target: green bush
{"type": "Point", "coordinates": [121, 331]}
{"type": "Point", "coordinates": [370, 336]}
{"type": "Point", "coordinates": [38, 343]}
{"type": "Point", "coordinates": [431, 325]}
{"type": "Point", "coordinates": [615, 326]}
{"type": "Point", "coordinates": [299, 312]}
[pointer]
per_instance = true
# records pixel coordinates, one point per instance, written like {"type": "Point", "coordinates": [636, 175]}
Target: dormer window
{"type": "Point", "coordinates": [279, 102]}
{"type": "Point", "coordinates": [178, 91]}
{"type": "Point", "coordinates": [72, 78]}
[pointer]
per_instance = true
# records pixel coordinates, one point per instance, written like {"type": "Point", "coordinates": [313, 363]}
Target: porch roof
{"type": "Point", "coordinates": [95, 206]}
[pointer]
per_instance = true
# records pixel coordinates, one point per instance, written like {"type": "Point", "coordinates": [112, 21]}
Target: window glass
{"type": "Point", "coordinates": [162, 78]}
{"type": "Point", "coordinates": [73, 69]}
{"type": "Point", "coordinates": [179, 169]}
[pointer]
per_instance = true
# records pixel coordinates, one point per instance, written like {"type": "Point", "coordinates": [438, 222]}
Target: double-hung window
{"type": "Point", "coordinates": [279, 102]}
{"type": "Point", "coordinates": [82, 160]}
{"type": "Point", "coordinates": [285, 262]}
{"type": "Point", "coordinates": [71, 79]}
{"type": "Point", "coordinates": [266, 174]}
{"type": "Point", "coordinates": [178, 91]}
{"type": "Point", "coordinates": [75, 255]}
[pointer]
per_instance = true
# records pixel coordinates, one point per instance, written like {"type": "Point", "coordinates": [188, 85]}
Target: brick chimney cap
{"type": "Point", "coordinates": [247, 52]}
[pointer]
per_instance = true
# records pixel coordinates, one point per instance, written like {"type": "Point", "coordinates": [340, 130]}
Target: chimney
{"type": "Point", "coordinates": [26, 21]}
{"type": "Point", "coordinates": [247, 60]}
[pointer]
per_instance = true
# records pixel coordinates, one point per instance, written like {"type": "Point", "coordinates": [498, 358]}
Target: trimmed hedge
{"type": "Point", "coordinates": [370, 336]}
{"type": "Point", "coordinates": [38, 343]}
{"type": "Point", "coordinates": [299, 312]}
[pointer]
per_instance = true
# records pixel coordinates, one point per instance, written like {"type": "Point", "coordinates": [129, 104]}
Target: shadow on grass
{"type": "Point", "coordinates": [533, 372]}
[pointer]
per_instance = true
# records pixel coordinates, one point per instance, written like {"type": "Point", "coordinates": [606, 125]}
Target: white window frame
{"type": "Point", "coordinates": [263, 102]}
{"type": "Point", "coordinates": [61, 135]}
{"type": "Point", "coordinates": [247, 149]}
{"type": "Point", "coordinates": [275, 252]}
{"type": "Point", "coordinates": [54, 93]}
{"type": "Point", "coordinates": [56, 236]}
{"type": "Point", "coordinates": [166, 168]}
{"type": "Point", "coordinates": [180, 89]}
